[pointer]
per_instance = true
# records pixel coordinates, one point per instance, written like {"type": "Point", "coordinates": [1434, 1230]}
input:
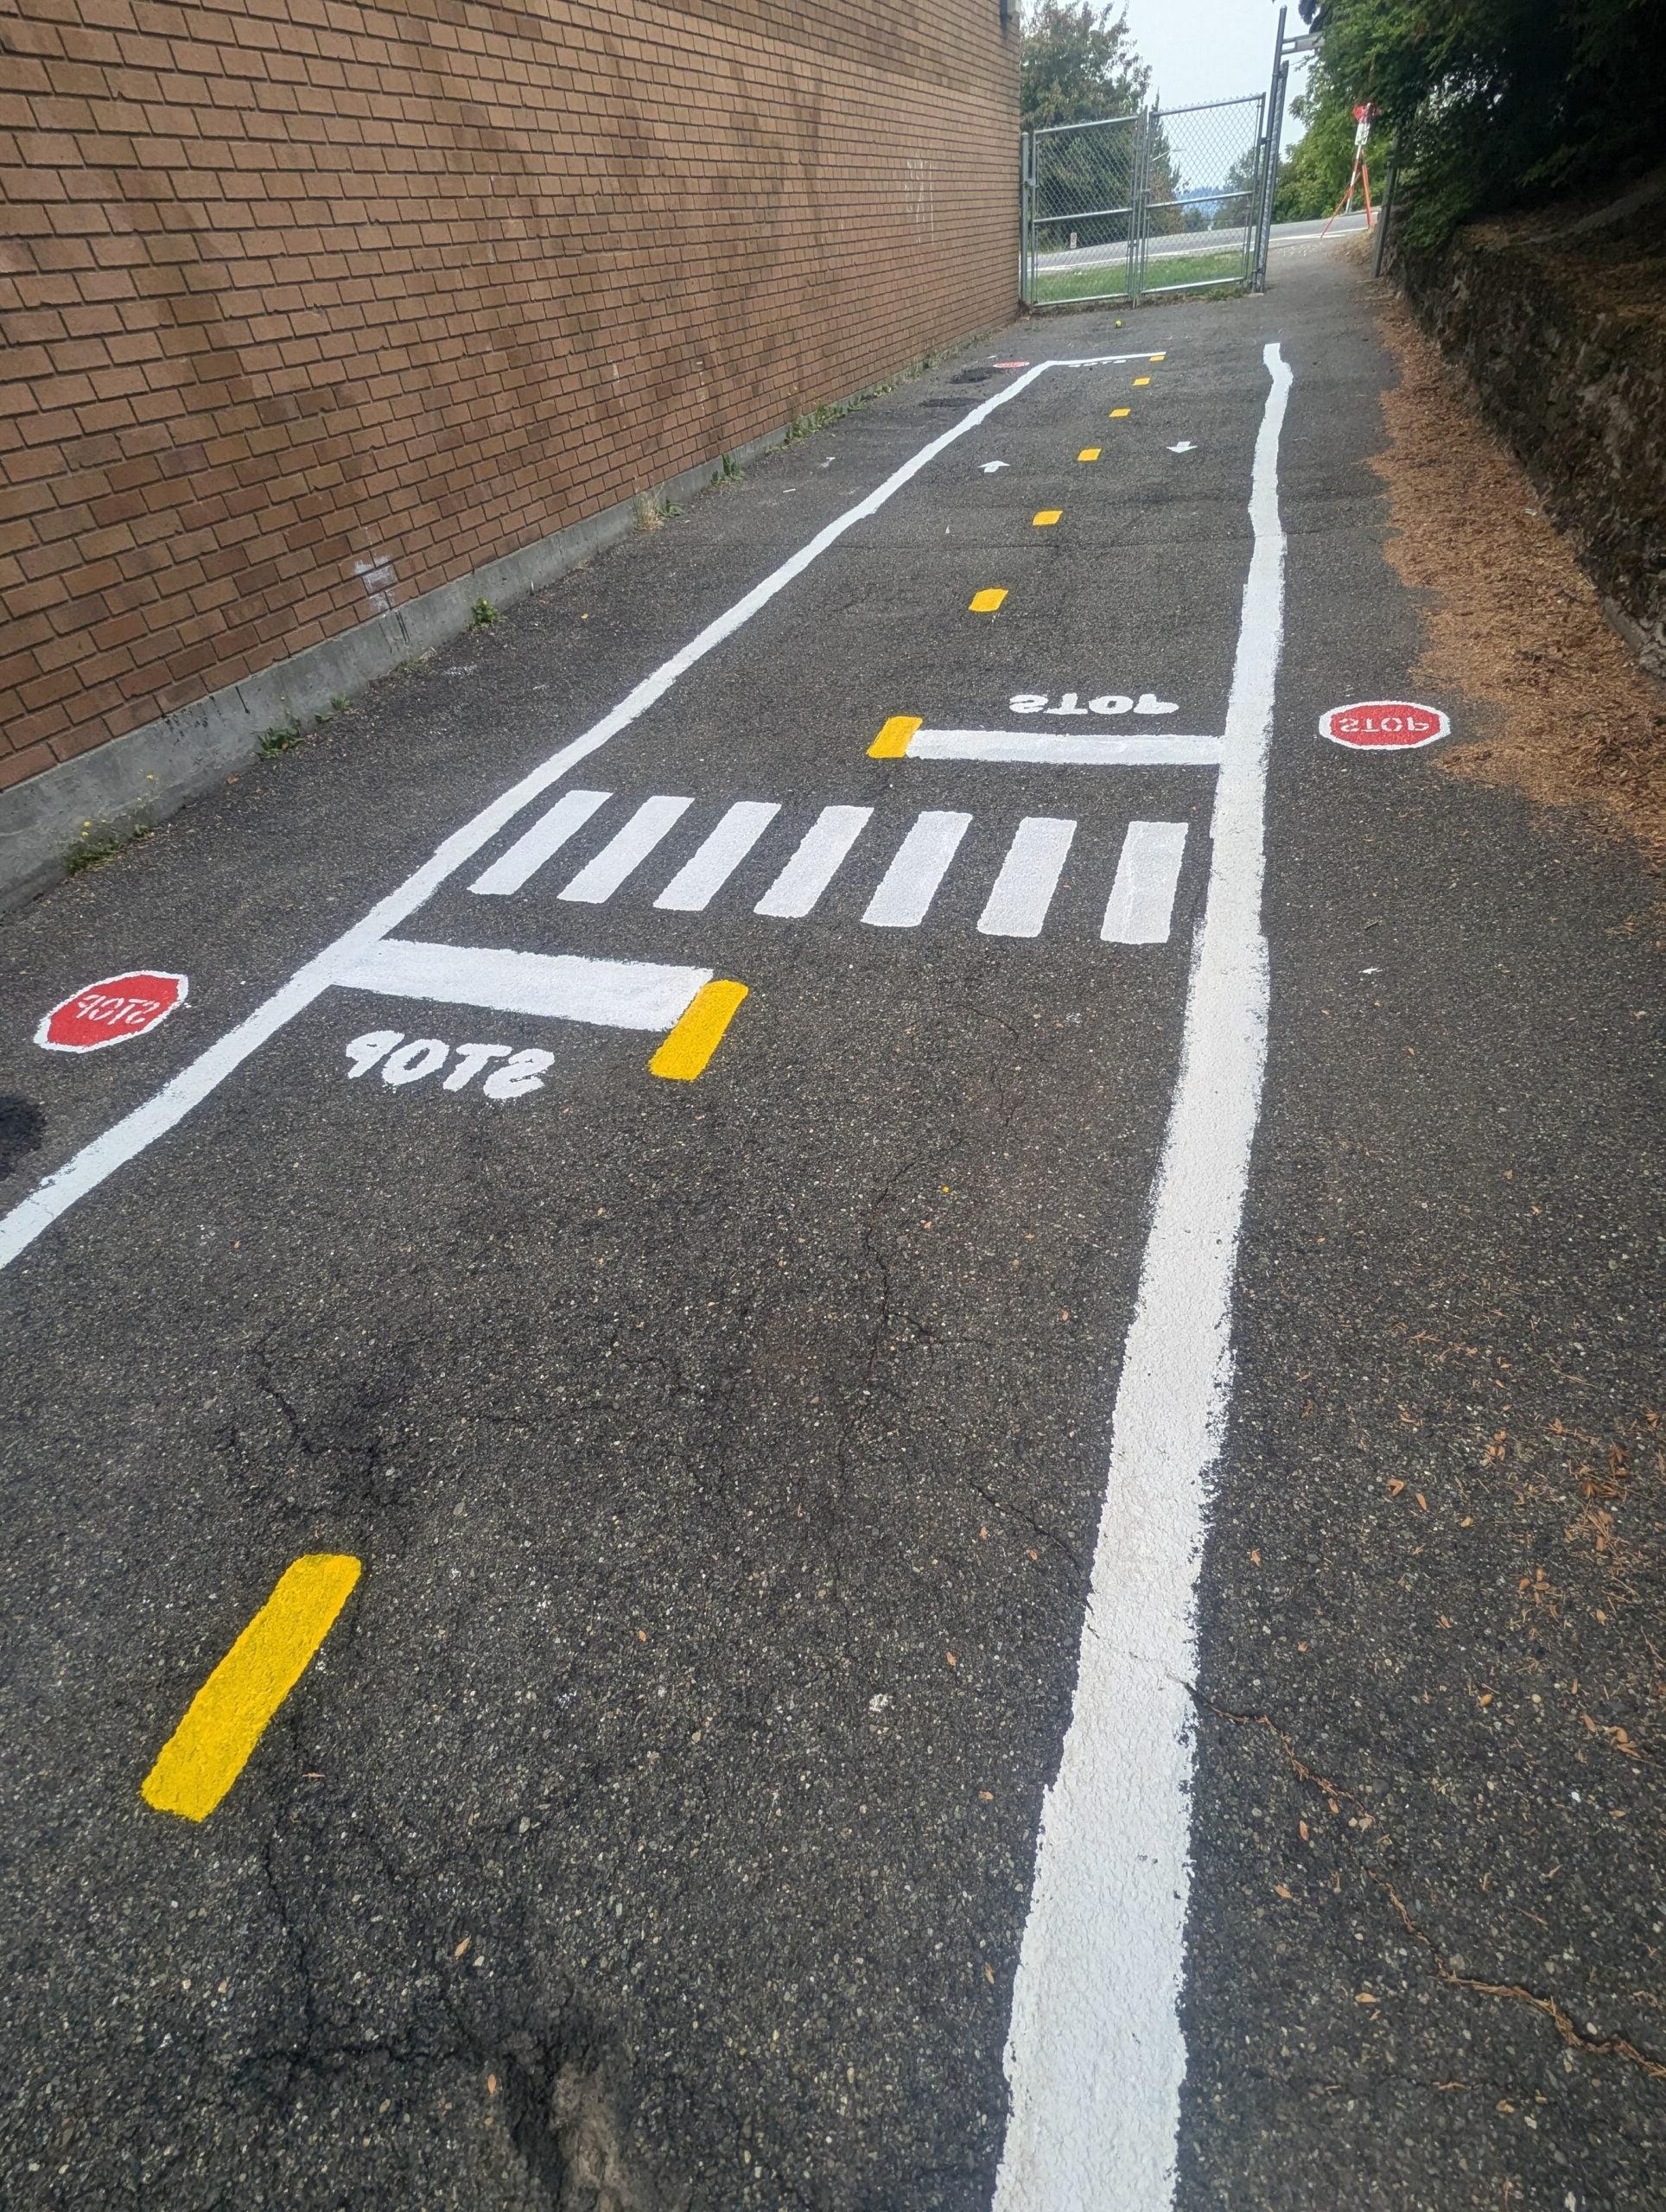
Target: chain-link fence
{"type": "Point", "coordinates": [1144, 203]}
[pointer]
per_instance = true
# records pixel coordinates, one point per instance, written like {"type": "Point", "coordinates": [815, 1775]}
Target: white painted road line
{"type": "Point", "coordinates": [612, 993]}
{"type": "Point", "coordinates": [1018, 905]}
{"type": "Point", "coordinates": [152, 1117]}
{"type": "Point", "coordinates": [1095, 2058]}
{"type": "Point", "coordinates": [697, 883]}
{"type": "Point", "coordinates": [625, 852]}
{"type": "Point", "coordinates": [910, 884]}
{"type": "Point", "coordinates": [1142, 897]}
{"type": "Point", "coordinates": [1049, 748]}
{"type": "Point", "coordinates": [817, 861]}
{"type": "Point", "coordinates": [546, 837]}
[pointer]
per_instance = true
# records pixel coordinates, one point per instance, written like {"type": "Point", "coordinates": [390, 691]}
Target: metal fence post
{"type": "Point", "coordinates": [1274, 132]}
{"type": "Point", "coordinates": [1139, 218]}
{"type": "Point", "coordinates": [1275, 117]}
{"type": "Point", "coordinates": [1025, 216]}
{"type": "Point", "coordinates": [1386, 210]}
{"type": "Point", "coordinates": [1257, 196]}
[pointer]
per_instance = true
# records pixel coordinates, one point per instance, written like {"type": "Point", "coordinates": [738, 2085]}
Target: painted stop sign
{"type": "Point", "coordinates": [1384, 725]}
{"type": "Point", "coordinates": [111, 1011]}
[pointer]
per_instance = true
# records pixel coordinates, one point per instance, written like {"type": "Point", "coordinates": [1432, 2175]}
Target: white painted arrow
{"type": "Point", "coordinates": [1185, 445]}
{"type": "Point", "coordinates": [991, 466]}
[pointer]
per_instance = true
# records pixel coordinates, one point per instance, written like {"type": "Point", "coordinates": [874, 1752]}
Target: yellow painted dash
{"type": "Point", "coordinates": [689, 1046]}
{"type": "Point", "coordinates": [892, 741]}
{"type": "Point", "coordinates": [1160, 357]}
{"type": "Point", "coordinates": [985, 603]}
{"type": "Point", "coordinates": [228, 1715]}
{"type": "Point", "coordinates": [1142, 379]}
{"type": "Point", "coordinates": [1046, 517]}
{"type": "Point", "coordinates": [1089, 453]}
{"type": "Point", "coordinates": [1117, 413]}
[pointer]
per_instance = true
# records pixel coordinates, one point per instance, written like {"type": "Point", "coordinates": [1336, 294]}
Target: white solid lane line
{"type": "Point", "coordinates": [910, 884]}
{"type": "Point", "coordinates": [1049, 748]}
{"type": "Point", "coordinates": [613, 993]}
{"type": "Point", "coordinates": [625, 852]}
{"type": "Point", "coordinates": [697, 883]}
{"type": "Point", "coordinates": [152, 1117]}
{"type": "Point", "coordinates": [546, 837]}
{"type": "Point", "coordinates": [1095, 2058]}
{"type": "Point", "coordinates": [1018, 905]}
{"type": "Point", "coordinates": [817, 861]}
{"type": "Point", "coordinates": [1142, 897]}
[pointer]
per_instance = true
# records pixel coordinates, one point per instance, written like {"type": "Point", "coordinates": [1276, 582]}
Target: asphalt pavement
{"type": "Point", "coordinates": [701, 1402]}
{"type": "Point", "coordinates": [1189, 243]}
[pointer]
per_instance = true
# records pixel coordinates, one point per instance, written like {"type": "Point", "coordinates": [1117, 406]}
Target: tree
{"type": "Point", "coordinates": [1500, 102]}
{"type": "Point", "coordinates": [1316, 171]}
{"type": "Point", "coordinates": [1078, 63]}
{"type": "Point", "coordinates": [1236, 206]}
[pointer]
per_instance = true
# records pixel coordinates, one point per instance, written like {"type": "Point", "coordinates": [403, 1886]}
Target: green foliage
{"type": "Point", "coordinates": [281, 739]}
{"type": "Point", "coordinates": [1078, 63]}
{"type": "Point", "coordinates": [1315, 172]}
{"type": "Point", "coordinates": [1207, 266]}
{"type": "Point", "coordinates": [100, 842]}
{"type": "Point", "coordinates": [1237, 204]}
{"type": "Point", "coordinates": [483, 614]}
{"type": "Point", "coordinates": [1501, 102]}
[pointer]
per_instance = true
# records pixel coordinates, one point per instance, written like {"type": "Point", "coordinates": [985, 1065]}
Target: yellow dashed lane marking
{"type": "Point", "coordinates": [1046, 517]}
{"type": "Point", "coordinates": [689, 1046]}
{"type": "Point", "coordinates": [985, 603]}
{"type": "Point", "coordinates": [1089, 453]}
{"type": "Point", "coordinates": [228, 1715]}
{"type": "Point", "coordinates": [892, 741]}
{"type": "Point", "coordinates": [1142, 379]}
{"type": "Point", "coordinates": [1117, 413]}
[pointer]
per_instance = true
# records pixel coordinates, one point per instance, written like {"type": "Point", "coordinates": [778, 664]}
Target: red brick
{"type": "Point", "coordinates": [297, 302]}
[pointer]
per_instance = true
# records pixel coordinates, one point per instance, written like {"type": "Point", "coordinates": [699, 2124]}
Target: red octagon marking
{"type": "Point", "coordinates": [1384, 725]}
{"type": "Point", "coordinates": [111, 1011]}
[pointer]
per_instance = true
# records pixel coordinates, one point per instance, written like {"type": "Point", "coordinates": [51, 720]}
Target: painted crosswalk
{"type": "Point", "coordinates": [817, 861]}
{"type": "Point", "coordinates": [698, 881]}
{"type": "Point", "coordinates": [903, 898]}
{"type": "Point", "coordinates": [1029, 875]}
{"type": "Point", "coordinates": [1139, 898]}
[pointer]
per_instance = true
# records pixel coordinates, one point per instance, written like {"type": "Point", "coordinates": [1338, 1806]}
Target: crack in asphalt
{"type": "Point", "coordinates": [1037, 1528]}
{"type": "Point", "coordinates": [1577, 2038]}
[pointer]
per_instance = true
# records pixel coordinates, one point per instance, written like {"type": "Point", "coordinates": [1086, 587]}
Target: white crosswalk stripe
{"type": "Point", "coordinates": [655, 818]}
{"type": "Point", "coordinates": [909, 884]}
{"type": "Point", "coordinates": [1140, 910]}
{"type": "Point", "coordinates": [817, 861]}
{"type": "Point", "coordinates": [697, 883]}
{"type": "Point", "coordinates": [1142, 897]}
{"type": "Point", "coordinates": [1029, 875]}
{"type": "Point", "coordinates": [547, 834]}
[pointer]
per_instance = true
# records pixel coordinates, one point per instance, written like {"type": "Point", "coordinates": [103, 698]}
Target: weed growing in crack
{"type": "Point", "coordinates": [654, 514]}
{"type": "Point", "coordinates": [282, 738]}
{"type": "Point", "coordinates": [97, 844]}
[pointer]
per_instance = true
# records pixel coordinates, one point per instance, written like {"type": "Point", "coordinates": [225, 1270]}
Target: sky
{"type": "Point", "coordinates": [1212, 49]}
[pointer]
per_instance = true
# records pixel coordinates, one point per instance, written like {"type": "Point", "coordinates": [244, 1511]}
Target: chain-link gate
{"type": "Point", "coordinates": [1137, 204]}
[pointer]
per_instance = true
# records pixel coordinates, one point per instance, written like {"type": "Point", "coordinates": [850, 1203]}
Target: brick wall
{"type": "Point", "coordinates": [311, 305]}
